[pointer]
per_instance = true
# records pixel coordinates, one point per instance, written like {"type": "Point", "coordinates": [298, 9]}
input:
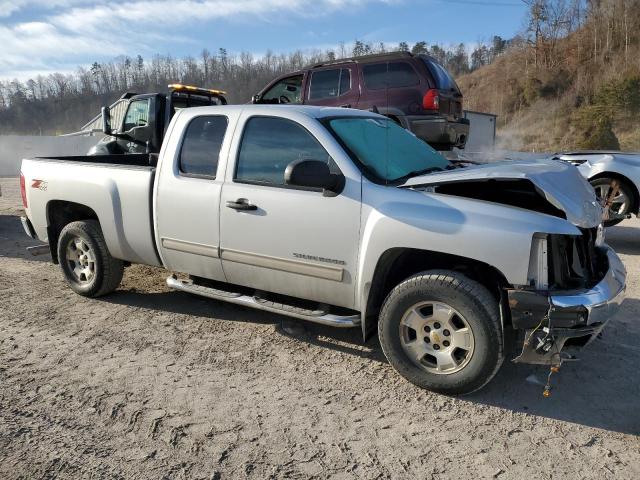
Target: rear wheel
{"type": "Point", "coordinates": [442, 331]}
{"type": "Point", "coordinates": [86, 263]}
{"type": "Point", "coordinates": [620, 202]}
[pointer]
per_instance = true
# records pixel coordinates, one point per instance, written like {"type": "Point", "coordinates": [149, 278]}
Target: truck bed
{"type": "Point", "coordinates": [118, 188]}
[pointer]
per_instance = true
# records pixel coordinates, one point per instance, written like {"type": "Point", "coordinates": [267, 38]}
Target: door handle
{"type": "Point", "coordinates": [346, 105]}
{"type": "Point", "coordinates": [241, 204]}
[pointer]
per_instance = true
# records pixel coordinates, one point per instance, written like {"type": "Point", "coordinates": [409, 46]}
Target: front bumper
{"type": "Point", "coordinates": [559, 321]}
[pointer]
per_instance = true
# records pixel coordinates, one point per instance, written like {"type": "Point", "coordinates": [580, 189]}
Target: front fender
{"type": "Point", "coordinates": [497, 235]}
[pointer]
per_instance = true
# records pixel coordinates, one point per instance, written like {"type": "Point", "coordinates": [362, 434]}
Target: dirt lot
{"type": "Point", "coordinates": [150, 383]}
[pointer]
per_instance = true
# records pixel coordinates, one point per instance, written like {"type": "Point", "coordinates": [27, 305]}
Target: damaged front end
{"type": "Point", "coordinates": [569, 301]}
{"type": "Point", "coordinates": [575, 283]}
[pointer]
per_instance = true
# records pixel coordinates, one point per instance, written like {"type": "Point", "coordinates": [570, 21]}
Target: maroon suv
{"type": "Point", "coordinates": [414, 90]}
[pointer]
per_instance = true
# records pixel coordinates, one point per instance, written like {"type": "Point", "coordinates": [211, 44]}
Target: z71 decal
{"type": "Point", "coordinates": [39, 184]}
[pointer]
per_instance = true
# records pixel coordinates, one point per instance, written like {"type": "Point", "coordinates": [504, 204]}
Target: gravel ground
{"type": "Point", "coordinates": [151, 383]}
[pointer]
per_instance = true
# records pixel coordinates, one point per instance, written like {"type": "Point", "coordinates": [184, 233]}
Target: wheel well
{"type": "Point", "coordinates": [626, 181]}
{"type": "Point", "coordinates": [397, 264]}
{"type": "Point", "coordinates": [61, 213]}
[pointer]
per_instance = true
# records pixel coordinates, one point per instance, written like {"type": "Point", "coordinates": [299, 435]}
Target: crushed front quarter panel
{"type": "Point", "coordinates": [559, 183]}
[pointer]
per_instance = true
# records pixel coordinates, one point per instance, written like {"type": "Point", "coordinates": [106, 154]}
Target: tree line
{"type": "Point", "coordinates": [59, 103]}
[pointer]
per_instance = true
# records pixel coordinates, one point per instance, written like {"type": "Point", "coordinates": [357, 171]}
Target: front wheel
{"type": "Point", "coordinates": [442, 332]}
{"type": "Point", "coordinates": [86, 263]}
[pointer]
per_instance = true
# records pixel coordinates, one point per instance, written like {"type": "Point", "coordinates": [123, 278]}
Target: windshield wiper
{"type": "Point", "coordinates": [417, 173]}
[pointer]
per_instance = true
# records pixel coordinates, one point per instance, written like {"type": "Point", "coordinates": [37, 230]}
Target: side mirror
{"type": "Point", "coordinates": [106, 120]}
{"type": "Point", "coordinates": [255, 98]}
{"type": "Point", "coordinates": [312, 173]}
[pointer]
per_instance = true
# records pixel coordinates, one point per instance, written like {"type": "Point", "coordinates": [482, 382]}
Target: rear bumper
{"type": "Point", "coordinates": [28, 228]}
{"type": "Point", "coordinates": [435, 129]}
{"type": "Point", "coordinates": [574, 318]}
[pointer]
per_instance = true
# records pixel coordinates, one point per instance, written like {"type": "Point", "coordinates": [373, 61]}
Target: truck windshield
{"type": "Point", "coordinates": [385, 149]}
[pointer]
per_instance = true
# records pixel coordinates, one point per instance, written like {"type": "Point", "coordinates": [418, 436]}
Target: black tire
{"type": "Point", "coordinates": [473, 301]}
{"type": "Point", "coordinates": [626, 189]}
{"type": "Point", "coordinates": [107, 271]}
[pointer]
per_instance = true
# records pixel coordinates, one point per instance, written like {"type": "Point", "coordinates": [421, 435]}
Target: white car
{"type": "Point", "coordinates": [615, 177]}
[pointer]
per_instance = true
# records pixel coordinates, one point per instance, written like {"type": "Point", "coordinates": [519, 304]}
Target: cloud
{"type": "Point", "coordinates": [9, 7]}
{"type": "Point", "coordinates": [34, 45]}
{"type": "Point", "coordinates": [67, 32]}
{"type": "Point", "coordinates": [174, 13]}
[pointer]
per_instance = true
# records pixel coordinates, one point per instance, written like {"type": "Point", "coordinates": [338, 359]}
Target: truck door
{"type": "Point", "coordinates": [187, 195]}
{"type": "Point", "coordinates": [335, 86]}
{"type": "Point", "coordinates": [280, 238]}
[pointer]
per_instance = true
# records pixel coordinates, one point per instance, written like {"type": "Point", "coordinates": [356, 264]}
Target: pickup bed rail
{"type": "Point", "coordinates": [134, 159]}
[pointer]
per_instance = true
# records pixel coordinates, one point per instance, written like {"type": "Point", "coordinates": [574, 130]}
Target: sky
{"type": "Point", "coordinates": [46, 36]}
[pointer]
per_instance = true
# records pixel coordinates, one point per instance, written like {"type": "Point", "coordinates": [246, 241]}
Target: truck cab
{"type": "Point", "coordinates": [142, 127]}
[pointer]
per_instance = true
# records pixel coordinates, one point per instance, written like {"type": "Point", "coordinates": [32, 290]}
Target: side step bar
{"type": "Point", "coordinates": [316, 316]}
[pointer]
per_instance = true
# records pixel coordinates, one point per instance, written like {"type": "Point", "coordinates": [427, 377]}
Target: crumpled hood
{"type": "Point", "coordinates": [560, 183]}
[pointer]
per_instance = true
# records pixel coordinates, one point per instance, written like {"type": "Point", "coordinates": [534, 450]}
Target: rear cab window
{"type": "Point", "coordinates": [201, 145]}
{"type": "Point", "coordinates": [378, 76]}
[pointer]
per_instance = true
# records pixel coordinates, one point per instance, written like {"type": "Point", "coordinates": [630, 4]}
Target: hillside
{"type": "Point", "coordinates": [579, 91]}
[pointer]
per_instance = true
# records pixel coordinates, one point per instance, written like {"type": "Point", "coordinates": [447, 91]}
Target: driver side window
{"type": "Point", "coordinates": [269, 144]}
{"type": "Point", "coordinates": [137, 115]}
{"type": "Point", "coordinates": [287, 90]}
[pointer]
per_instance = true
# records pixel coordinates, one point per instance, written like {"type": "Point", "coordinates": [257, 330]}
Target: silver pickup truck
{"type": "Point", "coordinates": [341, 217]}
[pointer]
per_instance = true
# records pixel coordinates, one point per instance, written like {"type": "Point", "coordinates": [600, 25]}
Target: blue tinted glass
{"type": "Point", "coordinates": [385, 148]}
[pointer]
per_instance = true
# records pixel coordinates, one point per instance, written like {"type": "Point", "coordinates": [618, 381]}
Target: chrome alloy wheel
{"type": "Point", "coordinates": [436, 337]}
{"type": "Point", "coordinates": [619, 204]}
{"type": "Point", "coordinates": [81, 260]}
